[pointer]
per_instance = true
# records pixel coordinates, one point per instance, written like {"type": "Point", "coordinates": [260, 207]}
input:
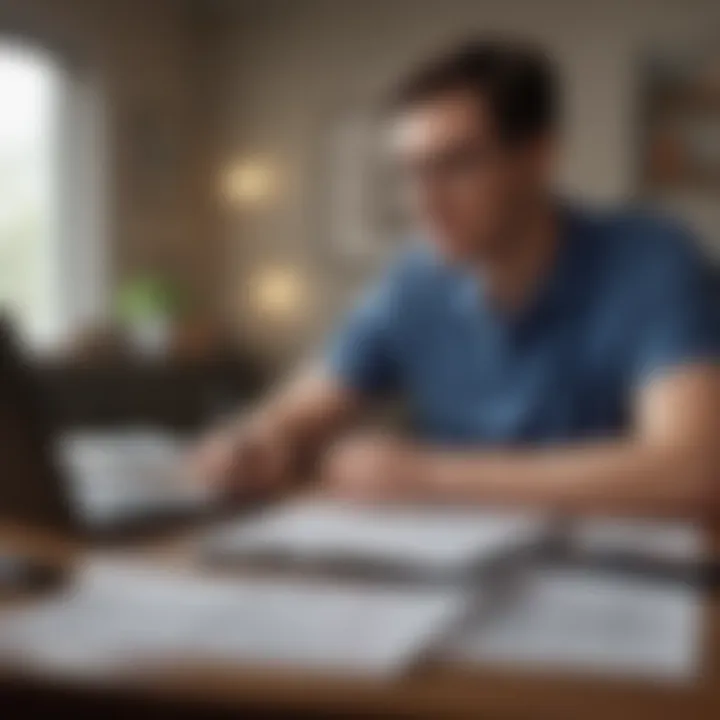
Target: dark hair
{"type": "Point", "coordinates": [517, 81]}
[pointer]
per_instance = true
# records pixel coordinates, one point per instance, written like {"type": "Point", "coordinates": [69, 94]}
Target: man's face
{"type": "Point", "coordinates": [467, 188]}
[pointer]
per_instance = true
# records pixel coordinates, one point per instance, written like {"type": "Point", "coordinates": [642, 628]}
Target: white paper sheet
{"type": "Point", "coordinates": [134, 615]}
{"type": "Point", "coordinates": [124, 474]}
{"type": "Point", "coordinates": [430, 540]}
{"type": "Point", "coordinates": [582, 621]}
{"type": "Point", "coordinates": [672, 541]}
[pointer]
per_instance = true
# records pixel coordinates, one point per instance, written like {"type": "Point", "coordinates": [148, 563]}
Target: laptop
{"type": "Point", "coordinates": [86, 484]}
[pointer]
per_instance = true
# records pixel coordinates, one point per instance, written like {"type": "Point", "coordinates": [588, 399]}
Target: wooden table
{"type": "Point", "coordinates": [434, 691]}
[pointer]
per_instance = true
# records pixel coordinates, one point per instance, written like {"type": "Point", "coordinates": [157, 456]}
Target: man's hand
{"type": "Point", "coordinates": [374, 468]}
{"type": "Point", "coordinates": [249, 457]}
{"type": "Point", "coordinates": [263, 452]}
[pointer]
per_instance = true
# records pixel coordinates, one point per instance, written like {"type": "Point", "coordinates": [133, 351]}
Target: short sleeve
{"type": "Point", "coordinates": [679, 319]}
{"type": "Point", "coordinates": [362, 353]}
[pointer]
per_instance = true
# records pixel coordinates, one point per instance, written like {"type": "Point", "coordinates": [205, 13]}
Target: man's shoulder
{"type": "Point", "coordinates": [649, 266]}
{"type": "Point", "coordinates": [635, 247]}
{"type": "Point", "coordinates": [637, 235]}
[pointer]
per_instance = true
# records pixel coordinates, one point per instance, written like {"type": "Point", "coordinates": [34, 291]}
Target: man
{"type": "Point", "coordinates": [548, 356]}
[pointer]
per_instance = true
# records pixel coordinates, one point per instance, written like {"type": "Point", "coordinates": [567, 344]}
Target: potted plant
{"type": "Point", "coordinates": [149, 307]}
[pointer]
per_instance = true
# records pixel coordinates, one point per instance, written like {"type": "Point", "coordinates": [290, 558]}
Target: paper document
{"type": "Point", "coordinates": [115, 475]}
{"type": "Point", "coordinates": [432, 540]}
{"type": "Point", "coordinates": [131, 615]}
{"type": "Point", "coordinates": [577, 621]}
{"type": "Point", "coordinates": [642, 539]}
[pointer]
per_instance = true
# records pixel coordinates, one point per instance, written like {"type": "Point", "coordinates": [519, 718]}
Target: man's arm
{"type": "Point", "coordinates": [668, 465]}
{"type": "Point", "coordinates": [311, 408]}
{"type": "Point", "coordinates": [273, 443]}
{"type": "Point", "coordinates": [284, 434]}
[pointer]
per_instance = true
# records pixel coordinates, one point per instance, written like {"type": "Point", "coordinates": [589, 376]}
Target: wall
{"type": "Point", "coordinates": [144, 60]}
{"type": "Point", "coordinates": [282, 68]}
{"type": "Point", "coordinates": [222, 80]}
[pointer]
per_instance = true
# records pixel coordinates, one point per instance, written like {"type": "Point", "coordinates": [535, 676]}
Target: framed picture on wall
{"type": "Point", "coordinates": [681, 148]}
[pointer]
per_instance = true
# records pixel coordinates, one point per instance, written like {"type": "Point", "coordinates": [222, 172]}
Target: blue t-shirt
{"type": "Point", "coordinates": [629, 297]}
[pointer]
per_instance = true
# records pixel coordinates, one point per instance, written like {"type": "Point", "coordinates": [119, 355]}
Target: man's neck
{"type": "Point", "coordinates": [529, 252]}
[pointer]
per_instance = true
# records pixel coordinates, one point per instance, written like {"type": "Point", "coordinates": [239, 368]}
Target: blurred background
{"type": "Point", "coordinates": [191, 195]}
{"type": "Point", "coordinates": [192, 183]}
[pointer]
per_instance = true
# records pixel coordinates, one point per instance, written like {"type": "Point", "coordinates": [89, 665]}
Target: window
{"type": "Point", "coordinates": [28, 137]}
{"type": "Point", "coordinates": [50, 239]}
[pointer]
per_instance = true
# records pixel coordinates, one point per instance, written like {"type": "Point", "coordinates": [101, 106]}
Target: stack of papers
{"type": "Point", "coordinates": [433, 541]}
{"type": "Point", "coordinates": [569, 618]}
{"type": "Point", "coordinates": [649, 540]}
{"type": "Point", "coordinates": [133, 615]}
{"type": "Point", "coordinates": [584, 621]}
